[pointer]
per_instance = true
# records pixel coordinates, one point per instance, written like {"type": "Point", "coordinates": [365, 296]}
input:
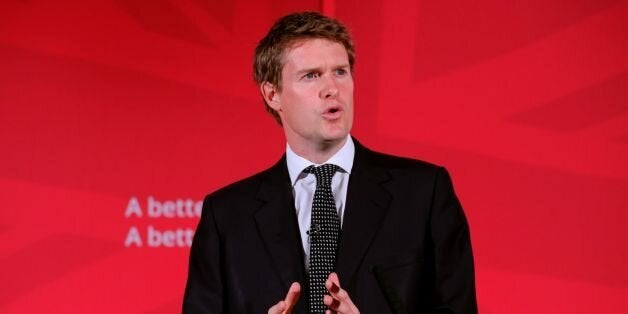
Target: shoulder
{"type": "Point", "coordinates": [243, 194]}
{"type": "Point", "coordinates": [396, 165]}
{"type": "Point", "coordinates": [243, 188]}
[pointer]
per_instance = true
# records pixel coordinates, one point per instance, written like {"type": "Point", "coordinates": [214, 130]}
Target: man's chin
{"type": "Point", "coordinates": [335, 138]}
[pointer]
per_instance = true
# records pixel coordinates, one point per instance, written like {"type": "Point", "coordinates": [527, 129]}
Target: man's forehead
{"type": "Point", "coordinates": [302, 51]}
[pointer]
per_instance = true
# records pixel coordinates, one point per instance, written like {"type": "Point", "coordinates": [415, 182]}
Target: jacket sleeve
{"type": "Point", "coordinates": [203, 291]}
{"type": "Point", "coordinates": [454, 290]}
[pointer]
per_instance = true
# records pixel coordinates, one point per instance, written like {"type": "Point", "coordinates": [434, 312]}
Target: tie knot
{"type": "Point", "coordinates": [324, 173]}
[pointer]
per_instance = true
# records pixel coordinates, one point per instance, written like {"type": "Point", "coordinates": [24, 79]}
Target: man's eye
{"type": "Point", "coordinates": [311, 75]}
{"type": "Point", "coordinates": [341, 72]}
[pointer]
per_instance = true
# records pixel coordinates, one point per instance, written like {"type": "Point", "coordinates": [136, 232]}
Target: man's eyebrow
{"type": "Point", "coordinates": [343, 65]}
{"type": "Point", "coordinates": [319, 69]}
{"type": "Point", "coordinates": [308, 70]}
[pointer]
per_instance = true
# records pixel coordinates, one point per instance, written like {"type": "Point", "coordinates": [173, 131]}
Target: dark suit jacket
{"type": "Point", "coordinates": [404, 245]}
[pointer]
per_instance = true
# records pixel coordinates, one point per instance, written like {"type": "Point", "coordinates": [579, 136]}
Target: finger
{"type": "Point", "coordinates": [333, 286]}
{"type": "Point", "coordinates": [292, 296]}
{"type": "Point", "coordinates": [277, 308]}
{"type": "Point", "coordinates": [333, 277]}
{"type": "Point", "coordinates": [339, 300]}
{"type": "Point", "coordinates": [336, 306]}
{"type": "Point", "coordinates": [333, 304]}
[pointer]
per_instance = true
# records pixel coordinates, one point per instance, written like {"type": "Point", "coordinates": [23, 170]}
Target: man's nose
{"type": "Point", "coordinates": [330, 88]}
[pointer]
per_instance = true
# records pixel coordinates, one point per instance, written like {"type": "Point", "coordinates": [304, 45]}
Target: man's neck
{"type": "Point", "coordinates": [318, 153]}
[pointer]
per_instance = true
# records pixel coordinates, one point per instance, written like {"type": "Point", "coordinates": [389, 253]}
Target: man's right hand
{"type": "Point", "coordinates": [286, 305]}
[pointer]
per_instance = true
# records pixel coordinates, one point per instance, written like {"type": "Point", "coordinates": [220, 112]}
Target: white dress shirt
{"type": "Point", "coordinates": [304, 185]}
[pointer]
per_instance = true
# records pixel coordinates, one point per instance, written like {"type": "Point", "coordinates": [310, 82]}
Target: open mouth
{"type": "Point", "coordinates": [332, 113]}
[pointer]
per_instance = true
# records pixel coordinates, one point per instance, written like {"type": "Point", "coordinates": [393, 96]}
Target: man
{"type": "Point", "coordinates": [332, 226]}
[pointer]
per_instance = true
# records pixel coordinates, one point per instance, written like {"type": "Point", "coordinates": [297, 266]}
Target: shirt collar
{"type": "Point", "coordinates": [343, 158]}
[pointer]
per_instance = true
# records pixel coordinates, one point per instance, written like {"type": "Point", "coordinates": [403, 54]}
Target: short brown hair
{"type": "Point", "coordinates": [269, 53]}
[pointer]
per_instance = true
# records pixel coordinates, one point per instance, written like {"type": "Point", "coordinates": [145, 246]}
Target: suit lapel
{"type": "Point", "coordinates": [277, 224]}
{"type": "Point", "coordinates": [366, 206]}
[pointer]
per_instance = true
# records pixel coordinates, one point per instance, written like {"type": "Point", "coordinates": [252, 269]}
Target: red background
{"type": "Point", "coordinates": [525, 102]}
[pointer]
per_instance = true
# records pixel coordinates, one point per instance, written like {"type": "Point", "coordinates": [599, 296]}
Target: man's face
{"type": "Point", "coordinates": [316, 99]}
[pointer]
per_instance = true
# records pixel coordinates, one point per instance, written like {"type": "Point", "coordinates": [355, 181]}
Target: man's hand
{"type": "Point", "coordinates": [286, 305]}
{"type": "Point", "coordinates": [339, 300]}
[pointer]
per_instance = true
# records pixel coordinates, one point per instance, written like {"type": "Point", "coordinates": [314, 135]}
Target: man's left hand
{"type": "Point", "coordinates": [338, 301]}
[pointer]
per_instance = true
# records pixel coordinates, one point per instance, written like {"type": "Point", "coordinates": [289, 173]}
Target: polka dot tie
{"type": "Point", "coordinates": [323, 235]}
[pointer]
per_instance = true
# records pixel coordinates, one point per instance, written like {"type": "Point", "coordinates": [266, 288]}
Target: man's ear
{"type": "Point", "coordinates": [271, 95]}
